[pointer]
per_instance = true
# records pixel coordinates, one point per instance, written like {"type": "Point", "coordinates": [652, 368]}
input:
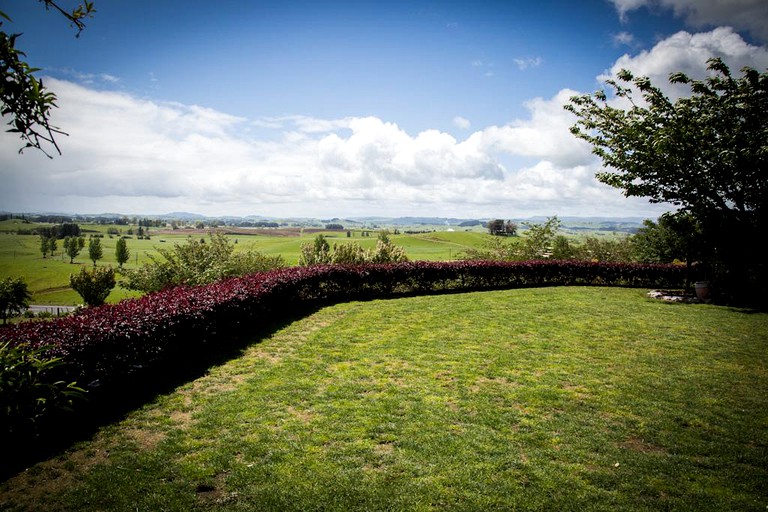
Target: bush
{"type": "Point", "coordinates": [118, 347]}
{"type": "Point", "coordinates": [319, 252]}
{"type": "Point", "coordinates": [316, 253]}
{"type": "Point", "coordinates": [93, 285]}
{"type": "Point", "coordinates": [197, 263]}
{"type": "Point", "coordinates": [110, 343]}
{"type": "Point", "coordinates": [30, 393]}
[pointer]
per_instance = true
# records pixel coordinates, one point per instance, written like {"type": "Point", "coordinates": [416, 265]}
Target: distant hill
{"type": "Point", "coordinates": [622, 224]}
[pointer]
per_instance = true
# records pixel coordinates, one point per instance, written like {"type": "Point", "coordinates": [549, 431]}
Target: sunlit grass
{"type": "Point", "coordinates": [540, 399]}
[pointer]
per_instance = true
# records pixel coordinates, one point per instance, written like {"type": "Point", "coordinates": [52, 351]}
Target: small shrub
{"type": "Point", "coordinates": [197, 263]}
{"type": "Point", "coordinates": [29, 389]}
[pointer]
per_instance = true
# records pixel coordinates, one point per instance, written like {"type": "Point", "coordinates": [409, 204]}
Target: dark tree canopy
{"type": "Point", "coordinates": [23, 97]}
{"type": "Point", "coordinates": [500, 228]}
{"type": "Point", "coordinates": [706, 153]}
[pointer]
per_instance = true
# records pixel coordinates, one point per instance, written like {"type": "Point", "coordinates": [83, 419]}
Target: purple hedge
{"type": "Point", "coordinates": [108, 343]}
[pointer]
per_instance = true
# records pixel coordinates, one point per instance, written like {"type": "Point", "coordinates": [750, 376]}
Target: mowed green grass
{"type": "Point", "coordinates": [538, 399]}
{"type": "Point", "coordinates": [48, 279]}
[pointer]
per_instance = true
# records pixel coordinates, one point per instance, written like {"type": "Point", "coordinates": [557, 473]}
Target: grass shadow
{"type": "Point", "coordinates": [110, 404]}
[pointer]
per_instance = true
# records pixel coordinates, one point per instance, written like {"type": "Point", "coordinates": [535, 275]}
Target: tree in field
{"type": "Point", "coordinates": [95, 251]}
{"type": "Point", "coordinates": [495, 227]}
{"type": "Point", "coordinates": [67, 229]}
{"type": "Point", "coordinates": [22, 96]}
{"type": "Point", "coordinates": [498, 227]}
{"type": "Point", "coordinates": [72, 247]}
{"type": "Point", "coordinates": [14, 297]}
{"type": "Point", "coordinates": [52, 245]}
{"type": "Point", "coordinates": [121, 252]}
{"type": "Point", "coordinates": [706, 154]}
{"type": "Point", "coordinates": [93, 285]}
{"type": "Point", "coordinates": [45, 245]}
{"type": "Point", "coordinates": [349, 254]}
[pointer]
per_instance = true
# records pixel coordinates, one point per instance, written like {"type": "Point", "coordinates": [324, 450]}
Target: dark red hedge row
{"type": "Point", "coordinates": [107, 343]}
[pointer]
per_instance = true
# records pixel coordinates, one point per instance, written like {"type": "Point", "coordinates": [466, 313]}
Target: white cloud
{"type": "Point", "coordinates": [750, 15]}
{"type": "Point", "coordinates": [129, 155]}
{"type": "Point", "coordinates": [624, 38]}
{"type": "Point", "coordinates": [625, 6]}
{"type": "Point", "coordinates": [689, 53]}
{"type": "Point", "coordinates": [544, 135]}
{"type": "Point", "coordinates": [528, 62]}
{"type": "Point", "coordinates": [461, 122]}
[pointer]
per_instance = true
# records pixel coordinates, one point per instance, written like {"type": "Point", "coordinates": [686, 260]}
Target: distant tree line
{"type": "Point", "coordinates": [257, 224]}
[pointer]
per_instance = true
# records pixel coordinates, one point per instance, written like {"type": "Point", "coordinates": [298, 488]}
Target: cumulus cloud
{"type": "Point", "coordinates": [749, 15]}
{"type": "Point", "coordinates": [544, 135]}
{"type": "Point", "coordinates": [130, 155]}
{"type": "Point", "coordinates": [689, 53]}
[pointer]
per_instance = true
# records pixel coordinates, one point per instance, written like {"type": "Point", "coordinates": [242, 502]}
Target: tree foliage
{"type": "Point", "coordinates": [538, 239]}
{"type": "Point", "coordinates": [706, 154]}
{"type": "Point", "coordinates": [47, 244]}
{"type": "Point", "coordinates": [72, 247]}
{"type": "Point", "coordinates": [14, 297]}
{"type": "Point", "coordinates": [23, 96]}
{"type": "Point", "coordinates": [93, 285]}
{"type": "Point", "coordinates": [672, 237]}
{"type": "Point", "coordinates": [197, 262]}
{"type": "Point", "coordinates": [121, 252]}
{"type": "Point", "coordinates": [95, 251]}
{"type": "Point", "coordinates": [498, 227]}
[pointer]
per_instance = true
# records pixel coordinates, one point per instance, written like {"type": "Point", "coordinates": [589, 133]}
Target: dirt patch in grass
{"type": "Point", "coordinates": [215, 492]}
{"type": "Point", "coordinates": [181, 419]}
{"type": "Point", "coordinates": [302, 415]}
{"type": "Point", "coordinates": [636, 444]}
{"type": "Point", "coordinates": [145, 439]}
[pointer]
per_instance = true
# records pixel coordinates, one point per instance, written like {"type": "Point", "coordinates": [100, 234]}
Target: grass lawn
{"type": "Point", "coordinates": [538, 399]}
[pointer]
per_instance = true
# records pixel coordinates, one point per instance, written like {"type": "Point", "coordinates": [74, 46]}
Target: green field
{"type": "Point", "coordinates": [580, 399]}
{"type": "Point", "coordinates": [48, 279]}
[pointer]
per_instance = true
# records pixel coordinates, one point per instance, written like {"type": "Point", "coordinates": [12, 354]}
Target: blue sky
{"type": "Point", "coordinates": [347, 108]}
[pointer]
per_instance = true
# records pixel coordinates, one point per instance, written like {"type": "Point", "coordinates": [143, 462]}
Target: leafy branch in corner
{"type": "Point", "coordinates": [23, 97]}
